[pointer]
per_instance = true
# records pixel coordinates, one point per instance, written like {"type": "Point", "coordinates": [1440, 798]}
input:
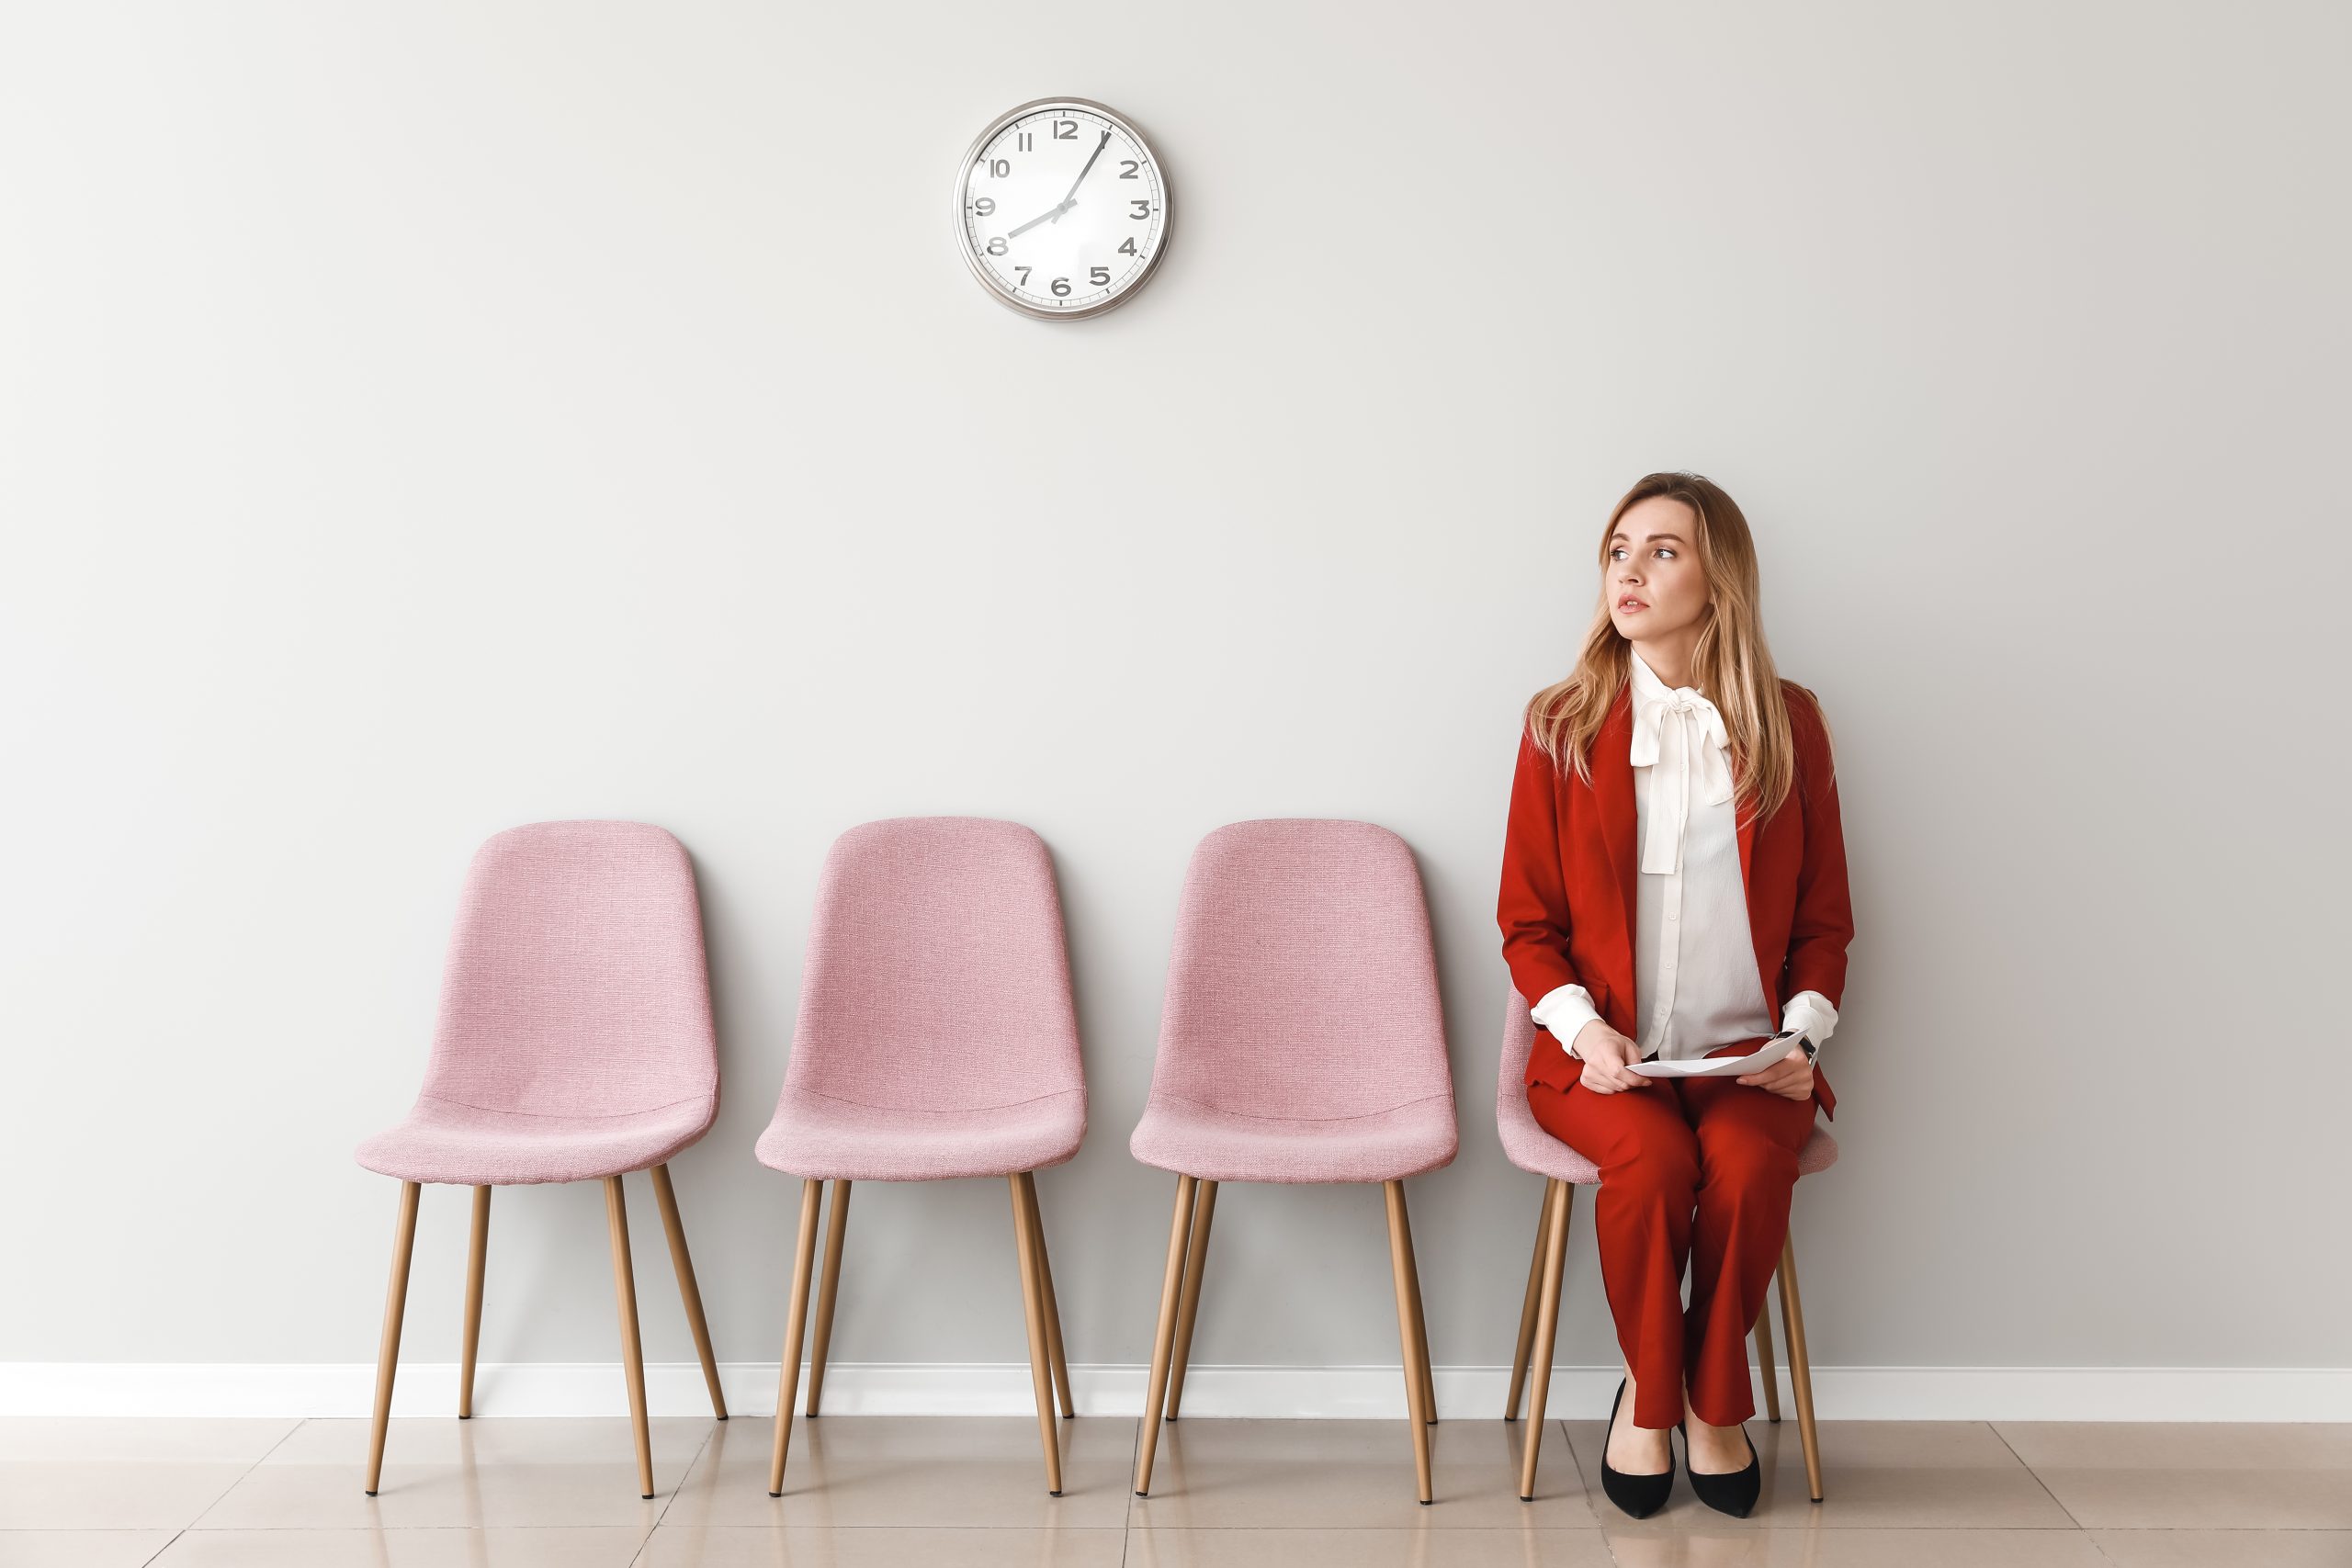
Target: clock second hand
{"type": "Point", "coordinates": [1068, 201]}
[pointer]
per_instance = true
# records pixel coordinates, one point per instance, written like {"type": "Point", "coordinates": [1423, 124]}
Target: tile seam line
{"type": "Point", "coordinates": [2003, 1438]}
{"type": "Point", "coordinates": [672, 1501]}
{"type": "Point", "coordinates": [283, 1439]}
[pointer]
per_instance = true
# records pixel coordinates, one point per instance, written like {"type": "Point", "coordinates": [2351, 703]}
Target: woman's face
{"type": "Point", "coordinates": [1657, 586]}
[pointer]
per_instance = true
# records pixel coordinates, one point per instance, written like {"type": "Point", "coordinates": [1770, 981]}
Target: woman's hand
{"type": "Point", "coordinates": [1790, 1076]}
{"type": "Point", "coordinates": [1605, 1053]}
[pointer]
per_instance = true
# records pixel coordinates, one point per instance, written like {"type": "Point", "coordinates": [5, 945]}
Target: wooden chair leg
{"type": "Point", "coordinates": [1800, 1365]}
{"type": "Point", "coordinates": [1547, 1324]}
{"type": "Point", "coordinates": [1196, 1258]}
{"type": "Point", "coordinates": [1053, 1307]}
{"type": "Point", "coordinates": [1527, 1307]}
{"type": "Point", "coordinates": [1033, 1307]}
{"type": "Point", "coordinates": [477, 1257]}
{"type": "Point", "coordinates": [1164, 1342]}
{"type": "Point", "coordinates": [829, 1281]}
{"type": "Point", "coordinates": [387, 1353]}
{"type": "Point", "coordinates": [796, 1324]}
{"type": "Point", "coordinates": [632, 1348]}
{"type": "Point", "coordinates": [1400, 1259]}
{"type": "Point", "coordinates": [682, 1264]}
{"type": "Point", "coordinates": [1764, 1356]}
{"type": "Point", "coordinates": [1421, 1318]}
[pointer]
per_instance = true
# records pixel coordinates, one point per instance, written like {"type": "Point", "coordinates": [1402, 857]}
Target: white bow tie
{"type": "Point", "coordinates": [1671, 735]}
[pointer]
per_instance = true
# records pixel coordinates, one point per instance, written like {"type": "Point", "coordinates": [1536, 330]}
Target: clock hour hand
{"type": "Point", "coordinates": [1052, 217]}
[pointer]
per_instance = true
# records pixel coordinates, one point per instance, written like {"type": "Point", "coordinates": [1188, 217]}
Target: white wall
{"type": "Point", "coordinates": [423, 419]}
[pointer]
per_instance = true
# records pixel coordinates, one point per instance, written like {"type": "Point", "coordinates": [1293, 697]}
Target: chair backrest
{"type": "Point", "coordinates": [1302, 981]}
{"type": "Point", "coordinates": [575, 983]}
{"type": "Point", "coordinates": [936, 976]}
{"type": "Point", "coordinates": [1519, 1044]}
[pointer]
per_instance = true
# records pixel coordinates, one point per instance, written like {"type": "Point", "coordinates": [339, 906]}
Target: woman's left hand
{"type": "Point", "coordinates": [1790, 1076]}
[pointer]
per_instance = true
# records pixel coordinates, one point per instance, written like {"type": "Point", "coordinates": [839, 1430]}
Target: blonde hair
{"type": "Point", "coordinates": [1731, 665]}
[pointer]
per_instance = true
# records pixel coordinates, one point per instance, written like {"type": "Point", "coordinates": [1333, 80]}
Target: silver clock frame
{"type": "Point", "coordinates": [962, 192]}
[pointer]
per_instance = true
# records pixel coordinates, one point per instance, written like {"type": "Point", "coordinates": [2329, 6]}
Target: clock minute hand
{"type": "Point", "coordinates": [1069, 201]}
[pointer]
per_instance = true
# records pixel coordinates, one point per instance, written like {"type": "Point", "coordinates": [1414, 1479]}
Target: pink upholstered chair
{"type": "Point", "coordinates": [1300, 1041]}
{"type": "Point", "coordinates": [1536, 1151]}
{"type": "Point", "coordinates": [574, 1044]}
{"type": "Point", "coordinates": [936, 1040]}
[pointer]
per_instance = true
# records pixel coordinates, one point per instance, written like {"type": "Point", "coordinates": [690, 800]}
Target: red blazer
{"type": "Point", "coordinates": [1570, 867]}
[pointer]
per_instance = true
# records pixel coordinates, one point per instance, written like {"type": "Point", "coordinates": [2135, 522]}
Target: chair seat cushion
{"type": "Point", "coordinates": [818, 1136]}
{"type": "Point", "coordinates": [470, 1146]}
{"type": "Point", "coordinates": [1529, 1147]}
{"type": "Point", "coordinates": [1203, 1140]}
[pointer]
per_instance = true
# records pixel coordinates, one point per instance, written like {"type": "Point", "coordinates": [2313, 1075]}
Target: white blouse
{"type": "Point", "coordinates": [1695, 983]}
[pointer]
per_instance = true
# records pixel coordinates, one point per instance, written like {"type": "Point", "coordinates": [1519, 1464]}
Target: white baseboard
{"type": "Point", "coordinates": [575, 1388]}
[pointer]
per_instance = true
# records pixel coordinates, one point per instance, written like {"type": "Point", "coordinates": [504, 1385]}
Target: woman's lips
{"type": "Point", "coordinates": [1630, 606]}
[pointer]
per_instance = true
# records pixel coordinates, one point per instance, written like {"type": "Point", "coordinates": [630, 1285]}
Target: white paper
{"type": "Point", "coordinates": [1763, 1056]}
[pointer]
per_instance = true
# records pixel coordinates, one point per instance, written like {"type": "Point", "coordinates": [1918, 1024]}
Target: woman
{"type": "Point", "coordinates": [1674, 887]}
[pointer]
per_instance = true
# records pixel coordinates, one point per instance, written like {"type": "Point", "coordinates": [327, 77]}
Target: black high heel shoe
{"type": "Point", "coordinates": [1734, 1494]}
{"type": "Point", "coordinates": [1640, 1496]}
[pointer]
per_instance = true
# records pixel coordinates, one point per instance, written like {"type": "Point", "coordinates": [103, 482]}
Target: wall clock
{"type": "Point", "coordinates": [1062, 209]}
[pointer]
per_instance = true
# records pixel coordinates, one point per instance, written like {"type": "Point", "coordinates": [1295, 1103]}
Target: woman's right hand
{"type": "Point", "coordinates": [1605, 1053]}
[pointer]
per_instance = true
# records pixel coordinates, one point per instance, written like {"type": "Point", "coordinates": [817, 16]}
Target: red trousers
{"type": "Point", "coordinates": [1696, 1172]}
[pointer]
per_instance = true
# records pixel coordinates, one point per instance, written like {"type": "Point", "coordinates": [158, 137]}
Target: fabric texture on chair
{"type": "Point", "coordinates": [1301, 1038]}
{"type": "Point", "coordinates": [1527, 1146]}
{"type": "Point", "coordinates": [936, 1036]}
{"type": "Point", "coordinates": [574, 1040]}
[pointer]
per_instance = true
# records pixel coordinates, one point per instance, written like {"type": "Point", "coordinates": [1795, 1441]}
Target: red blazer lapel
{"type": "Point", "coordinates": [1767, 965]}
{"type": "Point", "coordinates": [1612, 790]}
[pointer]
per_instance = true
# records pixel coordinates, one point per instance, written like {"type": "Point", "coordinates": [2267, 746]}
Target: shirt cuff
{"type": "Point", "coordinates": [1563, 1012]}
{"type": "Point", "coordinates": [1811, 1013]}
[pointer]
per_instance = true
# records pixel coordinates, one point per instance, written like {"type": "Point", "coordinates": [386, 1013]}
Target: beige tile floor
{"type": "Point", "coordinates": [867, 1491]}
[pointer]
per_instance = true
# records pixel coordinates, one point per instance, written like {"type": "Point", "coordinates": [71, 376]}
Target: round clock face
{"type": "Point", "coordinates": [1061, 210]}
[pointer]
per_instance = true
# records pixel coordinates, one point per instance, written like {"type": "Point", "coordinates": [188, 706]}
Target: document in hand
{"type": "Point", "coordinates": [1763, 1056]}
